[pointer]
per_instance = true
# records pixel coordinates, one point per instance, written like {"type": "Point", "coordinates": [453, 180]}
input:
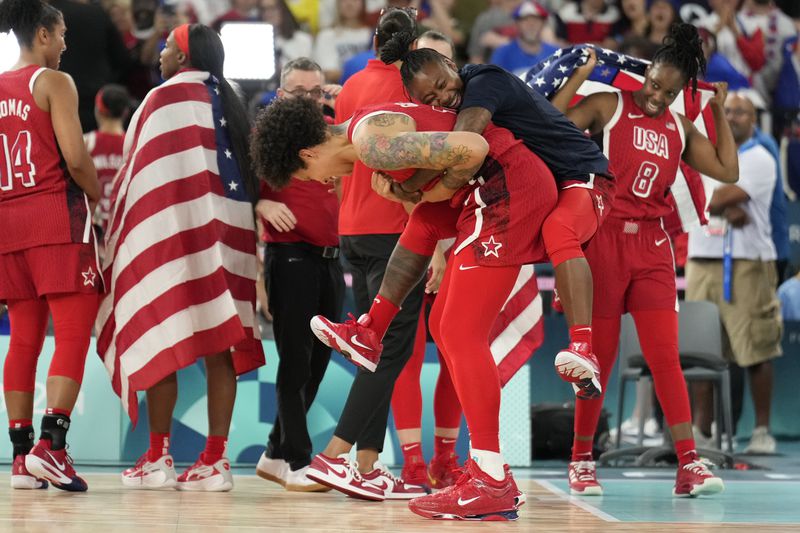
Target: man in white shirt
{"type": "Point", "coordinates": [745, 290]}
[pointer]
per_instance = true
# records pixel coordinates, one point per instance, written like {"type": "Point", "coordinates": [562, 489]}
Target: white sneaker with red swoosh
{"type": "Point", "coordinates": [393, 488]}
{"type": "Point", "coordinates": [146, 474]}
{"type": "Point", "coordinates": [341, 474]}
{"type": "Point", "coordinates": [203, 477]}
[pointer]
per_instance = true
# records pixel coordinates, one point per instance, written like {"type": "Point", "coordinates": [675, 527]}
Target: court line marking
{"type": "Point", "coordinates": [577, 501]}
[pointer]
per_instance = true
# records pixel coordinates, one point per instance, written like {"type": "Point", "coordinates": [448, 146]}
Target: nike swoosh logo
{"type": "Point", "coordinates": [448, 441]}
{"type": "Point", "coordinates": [464, 267]}
{"type": "Point", "coordinates": [661, 241]}
{"type": "Point", "coordinates": [339, 473]}
{"type": "Point", "coordinates": [466, 502]}
{"type": "Point", "coordinates": [631, 115]}
{"type": "Point", "coordinates": [382, 486]}
{"type": "Point", "coordinates": [59, 465]}
{"type": "Point", "coordinates": [354, 340]}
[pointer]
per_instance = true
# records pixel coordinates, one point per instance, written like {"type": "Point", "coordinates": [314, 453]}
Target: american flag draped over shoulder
{"type": "Point", "coordinates": [622, 72]}
{"type": "Point", "coordinates": [519, 330]}
{"type": "Point", "coordinates": [180, 247]}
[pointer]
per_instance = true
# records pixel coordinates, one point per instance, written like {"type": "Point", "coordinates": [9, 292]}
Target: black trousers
{"type": "Point", "coordinates": [366, 412]}
{"type": "Point", "coordinates": [300, 284]}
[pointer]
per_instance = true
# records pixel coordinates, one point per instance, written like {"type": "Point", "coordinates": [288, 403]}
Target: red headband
{"type": "Point", "coordinates": [181, 36]}
{"type": "Point", "coordinates": [99, 104]}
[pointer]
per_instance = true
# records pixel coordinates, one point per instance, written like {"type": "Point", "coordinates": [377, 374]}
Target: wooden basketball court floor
{"type": "Point", "coordinates": [638, 502]}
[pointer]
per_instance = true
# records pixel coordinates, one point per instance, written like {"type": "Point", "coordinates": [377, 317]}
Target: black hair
{"type": "Point", "coordinates": [289, 24]}
{"type": "Point", "coordinates": [116, 100]}
{"type": "Point", "coordinates": [392, 22]}
{"type": "Point", "coordinates": [683, 49]}
{"type": "Point", "coordinates": [282, 129]}
{"type": "Point", "coordinates": [398, 48]}
{"type": "Point", "coordinates": [27, 16]}
{"type": "Point", "coordinates": [206, 53]}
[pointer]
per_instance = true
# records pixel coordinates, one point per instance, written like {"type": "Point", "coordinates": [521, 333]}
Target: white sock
{"type": "Point", "coordinates": [490, 462]}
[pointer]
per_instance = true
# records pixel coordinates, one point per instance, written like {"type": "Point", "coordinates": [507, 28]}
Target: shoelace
{"type": "Point", "coordinates": [699, 467]}
{"type": "Point", "coordinates": [353, 467]}
{"type": "Point", "coordinates": [585, 470]}
{"type": "Point", "coordinates": [351, 320]}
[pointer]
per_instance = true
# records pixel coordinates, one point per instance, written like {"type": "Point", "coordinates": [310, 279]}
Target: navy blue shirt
{"type": "Point", "coordinates": [546, 131]}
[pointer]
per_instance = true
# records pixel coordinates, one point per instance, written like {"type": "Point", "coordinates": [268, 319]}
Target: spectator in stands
{"type": "Point", "coordinates": [494, 27]}
{"type": "Point", "coordinates": [789, 295]}
{"type": "Point", "coordinates": [240, 11]}
{"type": "Point", "coordinates": [347, 38]}
{"type": "Point", "coordinates": [440, 18]}
{"type": "Point", "coordinates": [290, 42]}
{"type": "Point", "coordinates": [304, 278]}
{"type": "Point", "coordinates": [718, 68]}
{"type": "Point", "coordinates": [786, 100]}
{"type": "Point", "coordinates": [527, 49]}
{"type": "Point", "coordinates": [96, 54]}
{"type": "Point", "coordinates": [744, 290]}
{"type": "Point", "coordinates": [661, 14]}
{"type": "Point", "coordinates": [587, 21]}
{"type": "Point", "coordinates": [777, 28]}
{"type": "Point", "coordinates": [633, 21]}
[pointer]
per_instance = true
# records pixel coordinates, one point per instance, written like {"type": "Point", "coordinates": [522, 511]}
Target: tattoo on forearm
{"type": "Point", "coordinates": [412, 150]}
{"type": "Point", "coordinates": [455, 179]}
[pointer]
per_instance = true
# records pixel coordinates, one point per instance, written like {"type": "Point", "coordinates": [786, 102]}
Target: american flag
{"type": "Point", "coordinates": [519, 329]}
{"type": "Point", "coordinates": [180, 248]}
{"type": "Point", "coordinates": [615, 70]}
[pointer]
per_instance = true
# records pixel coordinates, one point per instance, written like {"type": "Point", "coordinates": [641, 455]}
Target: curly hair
{"type": "Point", "coordinates": [282, 129]}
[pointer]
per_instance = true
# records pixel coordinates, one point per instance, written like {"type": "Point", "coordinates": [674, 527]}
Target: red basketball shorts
{"type": "Point", "coordinates": [633, 268]}
{"type": "Point", "coordinates": [500, 223]}
{"type": "Point", "coordinates": [51, 269]}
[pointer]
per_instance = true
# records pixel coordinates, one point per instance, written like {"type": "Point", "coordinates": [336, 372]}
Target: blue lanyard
{"type": "Point", "coordinates": [727, 263]}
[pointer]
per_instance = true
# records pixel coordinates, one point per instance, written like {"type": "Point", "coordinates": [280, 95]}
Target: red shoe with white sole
{"type": "Point", "coordinates": [583, 479]}
{"type": "Point", "coordinates": [55, 466]}
{"type": "Point", "coordinates": [695, 479]}
{"type": "Point", "coordinates": [353, 339]}
{"type": "Point", "coordinates": [576, 364]}
{"type": "Point", "coordinates": [475, 496]}
{"type": "Point", "coordinates": [22, 479]}
{"type": "Point", "coordinates": [393, 488]}
{"type": "Point", "coordinates": [146, 474]}
{"type": "Point", "coordinates": [341, 474]}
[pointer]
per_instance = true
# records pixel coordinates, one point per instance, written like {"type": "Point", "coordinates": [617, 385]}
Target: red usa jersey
{"type": "Point", "coordinates": [106, 152]}
{"type": "Point", "coordinates": [646, 153]}
{"type": "Point", "coordinates": [39, 202]}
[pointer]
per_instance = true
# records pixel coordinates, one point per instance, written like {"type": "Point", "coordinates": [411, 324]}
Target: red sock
{"type": "Point", "coordinates": [18, 423]}
{"type": "Point", "coordinates": [582, 450]}
{"type": "Point", "coordinates": [412, 453]}
{"type": "Point", "coordinates": [159, 446]}
{"type": "Point", "coordinates": [215, 449]}
{"type": "Point", "coordinates": [685, 450]}
{"type": "Point", "coordinates": [382, 313]}
{"type": "Point", "coordinates": [581, 334]}
{"type": "Point", "coordinates": [444, 447]}
{"type": "Point", "coordinates": [56, 411]}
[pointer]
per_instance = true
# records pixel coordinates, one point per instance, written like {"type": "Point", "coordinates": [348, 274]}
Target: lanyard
{"type": "Point", "coordinates": [727, 263]}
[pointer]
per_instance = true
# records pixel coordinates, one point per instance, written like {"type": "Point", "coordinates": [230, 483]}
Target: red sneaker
{"type": "Point", "coordinates": [340, 474]}
{"type": "Point", "coordinates": [520, 497]}
{"type": "Point", "coordinates": [695, 478]}
{"type": "Point", "coordinates": [353, 339]}
{"type": "Point", "coordinates": [22, 479]}
{"type": "Point", "coordinates": [55, 466]}
{"type": "Point", "coordinates": [416, 474]}
{"type": "Point", "coordinates": [556, 304]}
{"type": "Point", "coordinates": [577, 364]}
{"type": "Point", "coordinates": [583, 479]}
{"type": "Point", "coordinates": [393, 488]}
{"type": "Point", "coordinates": [444, 471]}
{"type": "Point", "coordinates": [475, 496]}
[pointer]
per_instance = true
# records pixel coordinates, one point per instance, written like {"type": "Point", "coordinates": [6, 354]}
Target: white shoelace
{"type": "Point", "coordinates": [585, 470]}
{"type": "Point", "coordinates": [353, 467]}
{"type": "Point", "coordinates": [698, 467]}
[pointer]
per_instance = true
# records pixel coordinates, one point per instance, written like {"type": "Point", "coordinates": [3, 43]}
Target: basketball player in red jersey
{"type": "Point", "coordinates": [111, 107]}
{"type": "Point", "coordinates": [497, 224]}
{"type": "Point", "coordinates": [48, 258]}
{"type": "Point", "coordinates": [631, 257]}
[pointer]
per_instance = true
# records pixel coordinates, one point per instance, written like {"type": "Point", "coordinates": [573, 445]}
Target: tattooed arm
{"type": "Point", "coordinates": [389, 141]}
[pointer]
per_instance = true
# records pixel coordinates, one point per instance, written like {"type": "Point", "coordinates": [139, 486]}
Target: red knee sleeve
{"type": "Point", "coordinates": [427, 225]}
{"type": "Point", "coordinates": [73, 318]}
{"type": "Point", "coordinates": [571, 224]}
{"type": "Point", "coordinates": [28, 325]}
